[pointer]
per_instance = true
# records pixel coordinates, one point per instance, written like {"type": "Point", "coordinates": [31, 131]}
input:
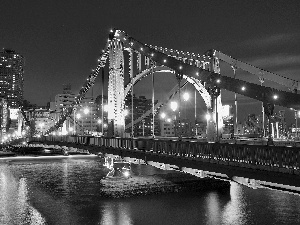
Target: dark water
{"type": "Point", "coordinates": [65, 191]}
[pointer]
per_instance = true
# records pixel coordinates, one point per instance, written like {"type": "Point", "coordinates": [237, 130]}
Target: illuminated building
{"type": "Point", "coordinates": [85, 114]}
{"type": "Point", "coordinates": [11, 77]}
{"type": "Point", "coordinates": [3, 117]}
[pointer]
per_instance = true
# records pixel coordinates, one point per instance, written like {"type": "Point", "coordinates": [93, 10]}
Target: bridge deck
{"type": "Point", "coordinates": [276, 164]}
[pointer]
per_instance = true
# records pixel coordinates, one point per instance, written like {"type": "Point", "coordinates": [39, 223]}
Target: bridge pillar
{"type": "Point", "coordinates": [268, 109]}
{"type": "Point", "coordinates": [116, 118]}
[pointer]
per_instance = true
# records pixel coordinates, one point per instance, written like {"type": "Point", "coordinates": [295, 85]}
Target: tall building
{"type": "Point", "coordinates": [11, 77]}
{"type": "Point", "coordinates": [85, 114]}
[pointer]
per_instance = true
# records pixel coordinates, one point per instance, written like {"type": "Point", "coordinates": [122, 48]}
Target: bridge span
{"type": "Point", "coordinates": [274, 166]}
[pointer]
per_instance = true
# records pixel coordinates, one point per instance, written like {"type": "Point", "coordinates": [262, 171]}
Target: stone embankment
{"type": "Point", "coordinates": [160, 183]}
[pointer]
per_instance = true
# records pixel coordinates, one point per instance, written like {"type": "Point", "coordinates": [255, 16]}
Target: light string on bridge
{"type": "Point", "coordinates": [194, 65]}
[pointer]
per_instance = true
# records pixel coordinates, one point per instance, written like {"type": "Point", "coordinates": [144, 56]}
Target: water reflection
{"type": "Point", "coordinates": [235, 211]}
{"type": "Point", "coordinates": [118, 214]}
{"type": "Point", "coordinates": [15, 207]}
{"type": "Point", "coordinates": [66, 191]}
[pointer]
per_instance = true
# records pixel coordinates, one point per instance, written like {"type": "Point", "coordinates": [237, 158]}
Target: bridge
{"type": "Point", "coordinates": [270, 163]}
{"type": "Point", "coordinates": [252, 165]}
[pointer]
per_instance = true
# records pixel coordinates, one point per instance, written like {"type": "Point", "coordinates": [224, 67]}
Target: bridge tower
{"type": "Point", "coordinates": [116, 119]}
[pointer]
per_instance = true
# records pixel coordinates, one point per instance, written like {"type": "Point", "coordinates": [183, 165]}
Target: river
{"type": "Point", "coordinates": [65, 191]}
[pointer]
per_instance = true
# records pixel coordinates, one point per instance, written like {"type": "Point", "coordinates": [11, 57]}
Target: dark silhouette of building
{"type": "Point", "coordinates": [140, 106]}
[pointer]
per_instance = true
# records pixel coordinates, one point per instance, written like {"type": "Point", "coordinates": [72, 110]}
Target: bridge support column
{"type": "Point", "coordinates": [268, 109]}
{"type": "Point", "coordinates": [116, 116]}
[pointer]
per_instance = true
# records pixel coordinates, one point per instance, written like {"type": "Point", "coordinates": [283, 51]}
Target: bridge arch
{"type": "Point", "coordinates": [211, 123]}
{"type": "Point", "coordinates": [193, 67]}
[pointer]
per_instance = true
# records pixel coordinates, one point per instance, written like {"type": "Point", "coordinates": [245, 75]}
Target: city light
{"type": "Point", "coordinates": [207, 116]}
{"type": "Point", "coordinates": [126, 112]}
{"type": "Point", "coordinates": [186, 96]}
{"type": "Point", "coordinates": [86, 111]}
{"type": "Point", "coordinates": [99, 121]}
{"type": "Point", "coordinates": [78, 116]}
{"type": "Point", "coordinates": [162, 115]}
{"type": "Point", "coordinates": [174, 106]}
{"type": "Point", "coordinates": [105, 108]}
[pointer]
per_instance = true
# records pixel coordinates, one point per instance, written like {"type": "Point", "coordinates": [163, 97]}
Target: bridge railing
{"type": "Point", "coordinates": [252, 156]}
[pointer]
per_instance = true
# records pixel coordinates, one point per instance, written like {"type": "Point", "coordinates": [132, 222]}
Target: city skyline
{"type": "Point", "coordinates": [62, 40]}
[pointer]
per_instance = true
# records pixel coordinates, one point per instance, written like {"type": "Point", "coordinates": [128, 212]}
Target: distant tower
{"type": "Point", "coordinates": [11, 77]}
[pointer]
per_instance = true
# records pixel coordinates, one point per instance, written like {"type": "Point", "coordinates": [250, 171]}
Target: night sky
{"type": "Point", "coordinates": [62, 40]}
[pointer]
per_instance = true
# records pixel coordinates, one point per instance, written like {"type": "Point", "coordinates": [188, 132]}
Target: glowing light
{"type": "Point", "coordinates": [126, 112]}
{"type": "Point", "coordinates": [207, 116]}
{"type": "Point", "coordinates": [86, 110]}
{"type": "Point", "coordinates": [165, 60]}
{"type": "Point", "coordinates": [180, 67]}
{"type": "Point", "coordinates": [225, 111]}
{"type": "Point", "coordinates": [152, 54]}
{"type": "Point", "coordinates": [142, 49]}
{"type": "Point", "coordinates": [105, 108]}
{"type": "Point", "coordinates": [78, 116]}
{"type": "Point", "coordinates": [126, 174]}
{"type": "Point", "coordinates": [162, 115]}
{"type": "Point", "coordinates": [174, 106]}
{"type": "Point", "coordinates": [218, 81]}
{"type": "Point", "coordinates": [186, 96]}
{"type": "Point", "coordinates": [275, 97]}
{"type": "Point", "coordinates": [169, 120]}
{"type": "Point", "coordinates": [243, 88]}
{"type": "Point", "coordinates": [99, 121]}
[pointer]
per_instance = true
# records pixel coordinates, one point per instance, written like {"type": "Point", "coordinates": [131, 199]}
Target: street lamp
{"type": "Point", "coordinates": [208, 117]}
{"type": "Point", "coordinates": [186, 96]}
{"type": "Point", "coordinates": [174, 106]}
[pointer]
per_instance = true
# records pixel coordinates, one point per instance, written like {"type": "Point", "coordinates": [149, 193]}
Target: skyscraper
{"type": "Point", "coordinates": [11, 77]}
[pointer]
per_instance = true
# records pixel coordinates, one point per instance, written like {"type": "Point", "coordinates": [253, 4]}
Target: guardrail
{"type": "Point", "coordinates": [273, 158]}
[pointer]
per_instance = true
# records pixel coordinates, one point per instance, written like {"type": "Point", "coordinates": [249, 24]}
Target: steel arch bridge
{"type": "Point", "coordinates": [202, 71]}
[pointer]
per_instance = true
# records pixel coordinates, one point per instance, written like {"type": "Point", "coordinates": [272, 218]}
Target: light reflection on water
{"type": "Point", "coordinates": [15, 207]}
{"type": "Point", "coordinates": [66, 191]}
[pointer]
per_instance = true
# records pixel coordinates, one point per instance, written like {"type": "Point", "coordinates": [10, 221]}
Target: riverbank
{"type": "Point", "coordinates": [158, 184]}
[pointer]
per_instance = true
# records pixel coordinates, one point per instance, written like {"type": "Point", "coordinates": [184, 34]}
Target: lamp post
{"type": "Point", "coordinates": [78, 116]}
{"type": "Point", "coordinates": [186, 97]}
